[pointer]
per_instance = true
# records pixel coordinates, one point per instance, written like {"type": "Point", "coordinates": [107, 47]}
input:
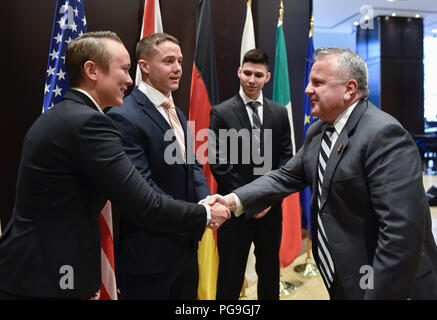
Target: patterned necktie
{"type": "Point", "coordinates": [175, 124]}
{"type": "Point", "coordinates": [324, 263]}
{"type": "Point", "coordinates": [257, 126]}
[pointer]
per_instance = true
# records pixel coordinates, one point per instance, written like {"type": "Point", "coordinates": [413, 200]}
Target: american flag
{"type": "Point", "coordinates": [68, 24]}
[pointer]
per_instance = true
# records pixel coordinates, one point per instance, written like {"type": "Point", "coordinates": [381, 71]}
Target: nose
{"type": "Point", "coordinates": [129, 80]}
{"type": "Point", "coordinates": [178, 67]}
{"type": "Point", "coordinates": [308, 89]}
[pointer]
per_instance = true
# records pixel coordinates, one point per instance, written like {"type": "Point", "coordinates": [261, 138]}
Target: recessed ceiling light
{"type": "Point", "coordinates": [391, 0]}
{"type": "Point", "coordinates": [356, 23]}
{"type": "Point", "coordinates": [417, 16]}
{"type": "Point", "coordinates": [393, 14]}
{"type": "Point", "coordinates": [434, 30]}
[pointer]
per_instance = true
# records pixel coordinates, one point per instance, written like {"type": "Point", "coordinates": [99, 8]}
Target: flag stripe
{"type": "Point", "coordinates": [204, 92]}
{"type": "Point", "coordinates": [107, 254]}
{"type": "Point", "coordinates": [106, 231]}
{"type": "Point", "coordinates": [109, 287]}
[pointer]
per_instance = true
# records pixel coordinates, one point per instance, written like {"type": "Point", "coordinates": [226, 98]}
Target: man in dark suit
{"type": "Point", "coordinates": [72, 163]}
{"type": "Point", "coordinates": [270, 120]}
{"type": "Point", "coordinates": [372, 234]}
{"type": "Point", "coordinates": [159, 265]}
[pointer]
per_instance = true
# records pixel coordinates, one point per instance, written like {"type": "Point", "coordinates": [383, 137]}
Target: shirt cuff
{"type": "Point", "coordinates": [239, 206]}
{"type": "Point", "coordinates": [208, 211]}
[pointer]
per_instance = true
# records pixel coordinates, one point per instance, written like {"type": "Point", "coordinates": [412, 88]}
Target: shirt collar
{"type": "Point", "coordinates": [341, 120]}
{"type": "Point", "coordinates": [89, 96]}
{"type": "Point", "coordinates": [155, 96]}
{"type": "Point", "coordinates": [246, 99]}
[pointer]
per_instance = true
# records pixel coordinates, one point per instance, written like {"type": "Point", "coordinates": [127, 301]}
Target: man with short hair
{"type": "Point", "coordinates": [72, 163]}
{"type": "Point", "coordinates": [159, 265]}
{"type": "Point", "coordinates": [267, 147]}
{"type": "Point", "coordinates": [371, 221]}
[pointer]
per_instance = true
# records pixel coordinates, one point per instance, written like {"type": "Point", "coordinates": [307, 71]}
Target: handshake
{"type": "Point", "coordinates": [221, 207]}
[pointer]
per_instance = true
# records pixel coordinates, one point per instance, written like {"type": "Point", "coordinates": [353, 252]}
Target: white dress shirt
{"type": "Point", "coordinates": [249, 109]}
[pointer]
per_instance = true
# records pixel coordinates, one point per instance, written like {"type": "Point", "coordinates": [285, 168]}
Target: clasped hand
{"type": "Point", "coordinates": [218, 204]}
{"type": "Point", "coordinates": [219, 211]}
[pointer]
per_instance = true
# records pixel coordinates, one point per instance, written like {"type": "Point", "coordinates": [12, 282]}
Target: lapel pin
{"type": "Point", "coordinates": [339, 148]}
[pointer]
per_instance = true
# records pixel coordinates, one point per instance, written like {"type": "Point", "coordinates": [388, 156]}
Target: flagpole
{"type": "Point", "coordinates": [307, 269]}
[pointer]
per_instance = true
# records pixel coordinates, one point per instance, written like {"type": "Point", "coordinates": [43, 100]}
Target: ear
{"type": "Point", "coordinates": [268, 76]}
{"type": "Point", "coordinates": [144, 66]}
{"type": "Point", "coordinates": [90, 70]}
{"type": "Point", "coordinates": [239, 72]}
{"type": "Point", "coordinates": [351, 89]}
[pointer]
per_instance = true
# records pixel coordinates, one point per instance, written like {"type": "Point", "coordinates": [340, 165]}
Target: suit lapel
{"type": "Point", "coordinates": [313, 151]}
{"type": "Point", "coordinates": [149, 109]}
{"type": "Point", "coordinates": [267, 115]}
{"type": "Point", "coordinates": [152, 112]}
{"type": "Point", "coordinates": [240, 109]}
{"type": "Point", "coordinates": [339, 148]}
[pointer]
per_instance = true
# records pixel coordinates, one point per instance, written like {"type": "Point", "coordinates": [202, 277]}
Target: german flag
{"type": "Point", "coordinates": [204, 93]}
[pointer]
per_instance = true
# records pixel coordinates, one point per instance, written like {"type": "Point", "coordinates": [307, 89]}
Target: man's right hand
{"type": "Point", "coordinates": [219, 214]}
{"type": "Point", "coordinates": [227, 200]}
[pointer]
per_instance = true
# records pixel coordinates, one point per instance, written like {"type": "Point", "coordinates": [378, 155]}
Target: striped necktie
{"type": "Point", "coordinates": [257, 126]}
{"type": "Point", "coordinates": [324, 263]}
{"type": "Point", "coordinates": [175, 124]}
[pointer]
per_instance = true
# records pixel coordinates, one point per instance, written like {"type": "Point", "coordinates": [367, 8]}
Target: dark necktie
{"type": "Point", "coordinates": [324, 263]}
{"type": "Point", "coordinates": [257, 126]}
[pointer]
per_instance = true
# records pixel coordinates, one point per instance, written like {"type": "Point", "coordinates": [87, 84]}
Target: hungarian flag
{"type": "Point", "coordinates": [69, 23]}
{"type": "Point", "coordinates": [151, 23]}
{"type": "Point", "coordinates": [291, 242]}
{"type": "Point", "coordinates": [204, 93]}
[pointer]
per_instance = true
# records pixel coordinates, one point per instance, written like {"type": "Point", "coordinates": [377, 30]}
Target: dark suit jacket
{"type": "Point", "coordinates": [143, 128]}
{"type": "Point", "coordinates": [73, 162]}
{"type": "Point", "coordinates": [374, 210]}
{"type": "Point", "coordinates": [232, 114]}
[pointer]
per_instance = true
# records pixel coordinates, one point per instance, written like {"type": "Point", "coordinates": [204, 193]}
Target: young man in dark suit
{"type": "Point", "coordinates": [72, 163]}
{"type": "Point", "coordinates": [268, 146]}
{"type": "Point", "coordinates": [159, 265]}
{"type": "Point", "coordinates": [371, 221]}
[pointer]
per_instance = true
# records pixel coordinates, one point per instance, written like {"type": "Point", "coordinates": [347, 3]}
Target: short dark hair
{"type": "Point", "coordinates": [87, 47]}
{"type": "Point", "coordinates": [256, 56]}
{"type": "Point", "coordinates": [146, 46]}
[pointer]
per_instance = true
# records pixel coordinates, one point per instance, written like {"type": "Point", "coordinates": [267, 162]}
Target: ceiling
{"type": "Point", "coordinates": [338, 16]}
